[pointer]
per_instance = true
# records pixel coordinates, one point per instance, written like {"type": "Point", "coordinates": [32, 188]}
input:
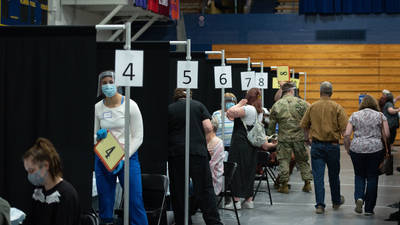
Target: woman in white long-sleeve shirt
{"type": "Point", "coordinates": [109, 115]}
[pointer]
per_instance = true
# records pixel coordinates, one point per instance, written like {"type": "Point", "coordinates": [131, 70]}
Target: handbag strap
{"type": "Point", "coordinates": [384, 138]}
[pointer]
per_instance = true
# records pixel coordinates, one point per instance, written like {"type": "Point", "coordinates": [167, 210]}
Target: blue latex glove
{"type": "Point", "coordinates": [101, 134]}
{"type": "Point", "coordinates": [119, 167]}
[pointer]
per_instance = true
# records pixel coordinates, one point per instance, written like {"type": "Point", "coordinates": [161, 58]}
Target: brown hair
{"type": "Point", "coordinates": [253, 97]}
{"type": "Point", "coordinates": [43, 150]}
{"type": "Point", "coordinates": [180, 93]}
{"type": "Point", "coordinates": [370, 103]}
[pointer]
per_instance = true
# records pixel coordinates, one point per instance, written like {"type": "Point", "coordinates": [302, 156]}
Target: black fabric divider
{"type": "Point", "coordinates": [46, 90]}
{"type": "Point", "coordinates": [151, 98]}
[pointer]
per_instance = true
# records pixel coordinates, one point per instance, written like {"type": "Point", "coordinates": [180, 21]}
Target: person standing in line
{"type": "Point", "coordinates": [245, 114]}
{"type": "Point", "coordinates": [392, 114]}
{"type": "Point", "coordinates": [324, 123]}
{"type": "Point", "coordinates": [366, 151]}
{"type": "Point", "coordinates": [288, 112]}
{"type": "Point", "coordinates": [110, 115]}
{"type": "Point", "coordinates": [199, 167]}
{"type": "Point", "coordinates": [230, 100]}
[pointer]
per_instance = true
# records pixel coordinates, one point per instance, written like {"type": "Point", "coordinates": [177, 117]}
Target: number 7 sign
{"type": "Point", "coordinates": [129, 68]}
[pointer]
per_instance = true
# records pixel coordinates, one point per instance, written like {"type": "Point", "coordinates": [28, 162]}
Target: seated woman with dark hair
{"type": "Point", "coordinates": [54, 200]}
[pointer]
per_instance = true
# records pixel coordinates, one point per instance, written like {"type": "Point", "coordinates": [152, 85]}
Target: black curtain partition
{"type": "Point", "coordinates": [46, 91]}
{"type": "Point", "coordinates": [349, 6]}
{"type": "Point", "coordinates": [151, 98]}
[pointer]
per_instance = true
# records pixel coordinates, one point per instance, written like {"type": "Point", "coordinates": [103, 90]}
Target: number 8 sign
{"type": "Point", "coordinates": [129, 68]}
{"type": "Point", "coordinates": [223, 76]}
{"type": "Point", "coordinates": [187, 74]}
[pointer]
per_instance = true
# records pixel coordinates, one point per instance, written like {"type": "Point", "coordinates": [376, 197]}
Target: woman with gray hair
{"type": "Point", "coordinates": [215, 147]}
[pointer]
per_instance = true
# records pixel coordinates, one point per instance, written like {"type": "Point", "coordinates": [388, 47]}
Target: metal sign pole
{"type": "Point", "coordinates": [127, 122]}
{"type": "Point", "coordinates": [127, 28]}
{"type": "Point", "coordinates": [262, 71]}
{"type": "Point", "coordinates": [187, 141]}
{"type": "Point", "coordinates": [187, 132]}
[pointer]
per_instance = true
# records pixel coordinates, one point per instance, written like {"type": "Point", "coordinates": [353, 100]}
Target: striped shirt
{"type": "Point", "coordinates": [228, 129]}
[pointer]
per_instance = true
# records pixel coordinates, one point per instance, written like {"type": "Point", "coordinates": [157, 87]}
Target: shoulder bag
{"type": "Point", "coordinates": [256, 135]}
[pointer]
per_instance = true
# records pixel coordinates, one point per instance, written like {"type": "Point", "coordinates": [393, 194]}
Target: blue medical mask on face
{"type": "Point", "coordinates": [109, 90]}
{"type": "Point", "coordinates": [229, 105]}
{"type": "Point", "coordinates": [36, 179]}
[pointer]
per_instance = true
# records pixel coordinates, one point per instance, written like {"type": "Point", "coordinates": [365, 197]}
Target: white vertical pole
{"type": "Point", "coordinates": [248, 64]}
{"type": "Point", "coordinates": [127, 122]}
{"type": "Point", "coordinates": [223, 101]}
{"type": "Point", "coordinates": [262, 89]}
{"type": "Point", "coordinates": [305, 85]}
{"type": "Point", "coordinates": [187, 141]}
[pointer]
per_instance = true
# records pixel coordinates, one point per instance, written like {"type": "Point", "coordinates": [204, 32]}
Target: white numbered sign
{"type": "Point", "coordinates": [129, 68]}
{"type": "Point", "coordinates": [187, 74]}
{"type": "Point", "coordinates": [247, 80]}
{"type": "Point", "coordinates": [261, 80]}
{"type": "Point", "coordinates": [223, 76]}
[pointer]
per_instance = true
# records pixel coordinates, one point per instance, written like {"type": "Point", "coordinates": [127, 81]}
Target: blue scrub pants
{"type": "Point", "coordinates": [106, 182]}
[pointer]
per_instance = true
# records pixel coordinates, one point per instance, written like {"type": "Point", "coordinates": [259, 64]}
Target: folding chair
{"type": "Point", "coordinates": [229, 171]}
{"type": "Point", "coordinates": [154, 191]}
{"type": "Point", "coordinates": [263, 159]}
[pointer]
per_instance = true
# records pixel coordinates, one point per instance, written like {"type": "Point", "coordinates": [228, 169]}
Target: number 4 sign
{"type": "Point", "coordinates": [129, 68]}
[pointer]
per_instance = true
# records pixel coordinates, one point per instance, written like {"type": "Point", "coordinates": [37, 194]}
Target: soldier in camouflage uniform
{"type": "Point", "coordinates": [288, 112]}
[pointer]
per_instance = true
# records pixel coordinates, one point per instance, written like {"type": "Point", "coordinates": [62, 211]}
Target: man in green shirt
{"type": "Point", "coordinates": [288, 112]}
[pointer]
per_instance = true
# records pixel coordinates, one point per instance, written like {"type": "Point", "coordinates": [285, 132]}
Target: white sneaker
{"type": "Point", "coordinates": [248, 205]}
{"type": "Point", "coordinates": [359, 206]}
{"type": "Point", "coordinates": [230, 205]}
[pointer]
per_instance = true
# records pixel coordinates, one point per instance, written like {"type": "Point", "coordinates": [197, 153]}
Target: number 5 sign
{"type": "Point", "coordinates": [223, 76]}
{"type": "Point", "coordinates": [187, 74]}
{"type": "Point", "coordinates": [129, 68]}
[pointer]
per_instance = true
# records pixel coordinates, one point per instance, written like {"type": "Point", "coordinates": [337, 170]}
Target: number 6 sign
{"type": "Point", "coordinates": [223, 76]}
{"type": "Point", "coordinates": [129, 68]}
{"type": "Point", "coordinates": [187, 74]}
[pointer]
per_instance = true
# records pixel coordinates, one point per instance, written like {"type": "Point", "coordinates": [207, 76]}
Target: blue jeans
{"type": "Point", "coordinates": [325, 153]}
{"type": "Point", "coordinates": [106, 182]}
{"type": "Point", "coordinates": [366, 174]}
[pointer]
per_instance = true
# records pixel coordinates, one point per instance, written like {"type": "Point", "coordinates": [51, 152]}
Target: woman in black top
{"type": "Point", "coordinates": [54, 200]}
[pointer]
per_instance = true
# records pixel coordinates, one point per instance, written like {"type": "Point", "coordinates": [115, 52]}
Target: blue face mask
{"type": "Point", "coordinates": [36, 179]}
{"type": "Point", "coordinates": [109, 90]}
{"type": "Point", "coordinates": [229, 105]}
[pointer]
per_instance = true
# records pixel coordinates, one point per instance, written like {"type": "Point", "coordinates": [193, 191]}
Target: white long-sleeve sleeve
{"type": "Point", "coordinates": [96, 127]}
{"type": "Point", "coordinates": [136, 128]}
{"type": "Point", "coordinates": [113, 119]}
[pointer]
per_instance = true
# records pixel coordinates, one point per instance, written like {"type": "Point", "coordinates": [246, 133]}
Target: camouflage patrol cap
{"type": "Point", "coordinates": [288, 86]}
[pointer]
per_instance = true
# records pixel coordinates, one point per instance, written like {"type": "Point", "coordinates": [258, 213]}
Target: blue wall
{"type": "Point", "coordinates": [287, 29]}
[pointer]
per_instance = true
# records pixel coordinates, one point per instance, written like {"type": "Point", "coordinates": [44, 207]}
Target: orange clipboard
{"type": "Point", "coordinates": [110, 151]}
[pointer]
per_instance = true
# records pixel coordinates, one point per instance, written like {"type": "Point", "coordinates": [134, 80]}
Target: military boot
{"type": "Point", "coordinates": [307, 186]}
{"type": "Point", "coordinates": [284, 188]}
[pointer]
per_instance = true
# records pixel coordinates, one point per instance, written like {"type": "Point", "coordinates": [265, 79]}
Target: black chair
{"type": "Point", "coordinates": [229, 171]}
{"type": "Point", "coordinates": [263, 160]}
{"type": "Point", "coordinates": [154, 192]}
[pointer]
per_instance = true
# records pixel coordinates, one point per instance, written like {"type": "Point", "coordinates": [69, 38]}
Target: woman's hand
{"type": "Point", "coordinates": [268, 145]}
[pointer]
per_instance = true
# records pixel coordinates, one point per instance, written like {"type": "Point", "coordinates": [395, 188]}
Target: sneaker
{"type": "Point", "coordinates": [320, 209]}
{"type": "Point", "coordinates": [336, 206]}
{"type": "Point", "coordinates": [248, 205]}
{"type": "Point", "coordinates": [230, 205]}
{"type": "Point", "coordinates": [359, 205]}
{"type": "Point", "coordinates": [369, 213]}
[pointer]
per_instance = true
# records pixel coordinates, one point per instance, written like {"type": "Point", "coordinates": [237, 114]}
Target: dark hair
{"type": "Point", "coordinates": [369, 102]}
{"type": "Point", "coordinates": [43, 150]}
{"type": "Point", "coordinates": [253, 97]}
{"type": "Point", "coordinates": [180, 93]}
{"type": "Point", "coordinates": [385, 98]}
